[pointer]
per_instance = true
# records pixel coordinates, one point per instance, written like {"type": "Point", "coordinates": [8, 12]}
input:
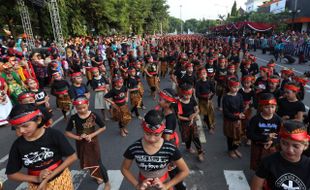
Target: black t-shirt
{"type": "Point", "coordinates": [132, 82]}
{"type": "Point", "coordinates": [39, 95]}
{"type": "Point", "coordinates": [117, 96]}
{"type": "Point", "coordinates": [281, 174]}
{"type": "Point", "coordinates": [38, 154]}
{"type": "Point", "coordinates": [171, 123]}
{"type": "Point", "coordinates": [260, 83]}
{"type": "Point", "coordinates": [160, 160]}
{"type": "Point", "coordinates": [189, 79]}
{"type": "Point", "coordinates": [290, 108]}
{"type": "Point", "coordinates": [247, 96]}
{"type": "Point", "coordinates": [86, 125]}
{"type": "Point", "coordinates": [59, 85]}
{"type": "Point", "coordinates": [188, 109]}
{"type": "Point", "coordinates": [232, 105]}
{"type": "Point", "coordinates": [258, 129]}
{"type": "Point", "coordinates": [203, 88]}
{"type": "Point", "coordinates": [97, 82]}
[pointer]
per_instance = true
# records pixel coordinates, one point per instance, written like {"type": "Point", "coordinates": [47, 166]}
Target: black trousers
{"type": "Point", "coordinates": [230, 144]}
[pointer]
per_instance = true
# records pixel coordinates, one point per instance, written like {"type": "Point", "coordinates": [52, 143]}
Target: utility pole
{"type": "Point", "coordinates": [181, 19]}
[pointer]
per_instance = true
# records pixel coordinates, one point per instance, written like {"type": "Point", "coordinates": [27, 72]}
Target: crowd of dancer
{"type": "Point", "coordinates": [261, 107]}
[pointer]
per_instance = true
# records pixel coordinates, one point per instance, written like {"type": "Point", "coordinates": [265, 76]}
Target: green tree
{"type": "Point", "coordinates": [234, 11]}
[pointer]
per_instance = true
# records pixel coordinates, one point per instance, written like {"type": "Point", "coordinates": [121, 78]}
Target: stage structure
{"type": "Point", "coordinates": [55, 20]}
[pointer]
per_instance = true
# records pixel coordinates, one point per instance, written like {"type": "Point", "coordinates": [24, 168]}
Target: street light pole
{"type": "Point", "coordinates": [181, 19]}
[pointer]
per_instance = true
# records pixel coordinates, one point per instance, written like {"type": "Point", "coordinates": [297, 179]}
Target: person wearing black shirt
{"type": "Point", "coordinates": [87, 143]}
{"type": "Point", "coordinates": [41, 97]}
{"type": "Point", "coordinates": [286, 75]}
{"type": "Point", "coordinates": [302, 82]}
{"type": "Point", "coordinates": [287, 169]}
{"type": "Point", "coordinates": [204, 92]}
{"type": "Point", "coordinates": [39, 150]}
{"type": "Point", "coordinates": [233, 114]}
{"type": "Point", "coordinates": [247, 95]}
{"type": "Point", "coordinates": [29, 98]}
{"type": "Point", "coordinates": [133, 88]}
{"type": "Point", "coordinates": [289, 106]}
{"type": "Point", "coordinates": [273, 87]}
{"type": "Point", "coordinates": [100, 85]}
{"type": "Point", "coordinates": [220, 78]}
{"type": "Point", "coordinates": [263, 129]}
{"type": "Point", "coordinates": [60, 88]}
{"type": "Point", "coordinates": [118, 97]}
{"type": "Point", "coordinates": [168, 101]}
{"type": "Point", "coordinates": [78, 88]}
{"type": "Point", "coordinates": [187, 120]}
{"type": "Point", "coordinates": [151, 71]}
{"type": "Point", "coordinates": [189, 76]}
{"type": "Point", "coordinates": [163, 59]}
{"type": "Point", "coordinates": [153, 155]}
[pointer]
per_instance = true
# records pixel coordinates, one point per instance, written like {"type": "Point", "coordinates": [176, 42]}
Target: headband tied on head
{"type": "Point", "coordinates": [301, 80]}
{"type": "Point", "coordinates": [288, 72]}
{"type": "Point", "coordinates": [172, 100]}
{"type": "Point", "coordinates": [265, 69]}
{"type": "Point", "coordinates": [233, 83]}
{"type": "Point", "coordinates": [26, 95]}
{"type": "Point", "coordinates": [291, 87]}
{"type": "Point", "coordinates": [94, 69]}
{"type": "Point", "coordinates": [25, 118]}
{"type": "Point", "coordinates": [268, 102]}
{"type": "Point", "coordinates": [274, 80]}
{"type": "Point", "coordinates": [76, 74]}
{"type": "Point", "coordinates": [79, 102]}
{"type": "Point", "coordinates": [302, 136]}
{"type": "Point", "coordinates": [247, 78]}
{"type": "Point", "coordinates": [153, 129]}
{"type": "Point", "coordinates": [187, 92]}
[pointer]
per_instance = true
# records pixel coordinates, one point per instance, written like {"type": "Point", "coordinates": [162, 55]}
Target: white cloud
{"type": "Point", "coordinates": [208, 9]}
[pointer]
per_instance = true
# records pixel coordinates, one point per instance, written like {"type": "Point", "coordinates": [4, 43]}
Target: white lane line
{"type": "Point", "coordinates": [236, 180]}
{"type": "Point", "coordinates": [3, 176]}
{"type": "Point", "coordinates": [116, 179]}
{"type": "Point", "coordinates": [22, 186]}
{"type": "Point", "coordinates": [4, 158]}
{"type": "Point", "coordinates": [77, 177]}
{"type": "Point", "coordinates": [201, 132]}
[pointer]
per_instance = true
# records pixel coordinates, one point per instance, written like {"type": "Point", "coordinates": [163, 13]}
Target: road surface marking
{"type": "Point", "coordinates": [116, 179]}
{"type": "Point", "coordinates": [3, 177]}
{"type": "Point", "coordinates": [77, 177]}
{"type": "Point", "coordinates": [236, 180]}
{"type": "Point", "coordinates": [22, 186]}
{"type": "Point", "coordinates": [201, 132]}
{"type": "Point", "coordinates": [2, 160]}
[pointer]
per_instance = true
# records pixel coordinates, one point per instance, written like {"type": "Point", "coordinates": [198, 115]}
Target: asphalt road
{"type": "Point", "coordinates": [217, 172]}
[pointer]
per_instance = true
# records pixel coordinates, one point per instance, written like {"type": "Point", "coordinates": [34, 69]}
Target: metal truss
{"type": "Point", "coordinates": [24, 14]}
{"type": "Point", "coordinates": [56, 23]}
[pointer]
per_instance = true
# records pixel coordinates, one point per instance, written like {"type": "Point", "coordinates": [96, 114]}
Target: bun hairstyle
{"type": "Point", "coordinates": [20, 112]}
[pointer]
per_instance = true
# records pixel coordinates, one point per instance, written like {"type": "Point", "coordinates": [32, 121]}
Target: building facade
{"type": "Point", "coordinates": [252, 5]}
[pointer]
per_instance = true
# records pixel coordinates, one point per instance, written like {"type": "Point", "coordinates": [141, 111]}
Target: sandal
{"type": "Point", "coordinates": [238, 153]}
{"type": "Point", "coordinates": [232, 154]}
{"type": "Point", "coordinates": [201, 157]}
{"type": "Point", "coordinates": [99, 181]}
{"type": "Point", "coordinates": [122, 133]}
{"type": "Point", "coordinates": [190, 150]}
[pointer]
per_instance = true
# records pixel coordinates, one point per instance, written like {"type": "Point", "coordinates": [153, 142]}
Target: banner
{"type": "Point", "coordinates": [278, 7]}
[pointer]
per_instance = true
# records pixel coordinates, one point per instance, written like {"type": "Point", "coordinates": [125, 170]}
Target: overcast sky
{"type": "Point", "coordinates": [208, 9]}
